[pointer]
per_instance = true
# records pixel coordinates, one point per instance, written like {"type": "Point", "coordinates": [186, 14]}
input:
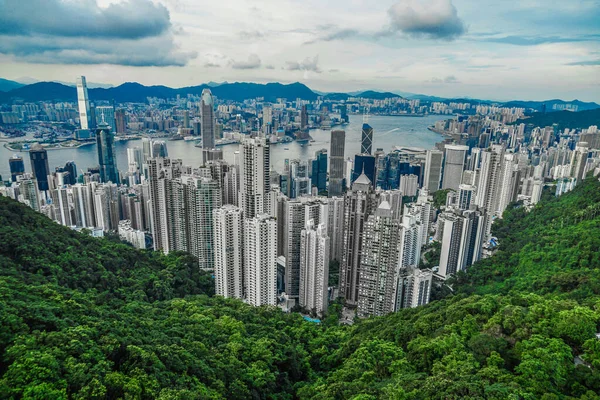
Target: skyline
{"type": "Point", "coordinates": [530, 51]}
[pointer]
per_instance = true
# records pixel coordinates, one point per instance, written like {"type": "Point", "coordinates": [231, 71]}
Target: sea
{"type": "Point", "coordinates": [388, 132]}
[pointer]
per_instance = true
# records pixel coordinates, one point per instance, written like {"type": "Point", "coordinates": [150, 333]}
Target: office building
{"type": "Point", "coordinates": [120, 121]}
{"type": "Point", "coordinates": [319, 171]}
{"type": "Point", "coordinates": [336, 163]}
{"type": "Point", "coordinates": [314, 267]}
{"type": "Point", "coordinates": [39, 166]}
{"type": "Point", "coordinates": [207, 119]}
{"type": "Point", "coordinates": [228, 231]}
{"type": "Point", "coordinates": [17, 167]}
{"type": "Point", "coordinates": [433, 170]}
{"type": "Point", "coordinates": [106, 114]}
{"type": "Point", "coordinates": [366, 143]}
{"type": "Point", "coordinates": [454, 164]}
{"type": "Point", "coordinates": [83, 103]}
{"type": "Point", "coordinates": [106, 154]}
{"type": "Point", "coordinates": [364, 164]}
{"type": "Point", "coordinates": [260, 260]}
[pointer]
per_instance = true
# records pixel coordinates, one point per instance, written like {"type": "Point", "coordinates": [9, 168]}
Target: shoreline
{"type": "Point", "coordinates": [8, 147]}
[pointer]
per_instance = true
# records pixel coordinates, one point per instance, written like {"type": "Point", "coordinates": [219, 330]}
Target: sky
{"type": "Point", "coordinates": [488, 49]}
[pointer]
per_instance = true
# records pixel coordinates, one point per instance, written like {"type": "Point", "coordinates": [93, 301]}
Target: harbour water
{"type": "Point", "coordinates": [388, 131]}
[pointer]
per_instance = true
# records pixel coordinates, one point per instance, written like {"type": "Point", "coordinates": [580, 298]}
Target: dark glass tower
{"type": "Point", "coordinates": [319, 170]}
{"type": "Point", "coordinates": [364, 164]}
{"type": "Point", "coordinates": [106, 154]}
{"type": "Point", "coordinates": [366, 144]}
{"type": "Point", "coordinates": [17, 167]}
{"type": "Point", "coordinates": [39, 166]}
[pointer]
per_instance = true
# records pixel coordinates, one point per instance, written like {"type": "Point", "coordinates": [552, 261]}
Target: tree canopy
{"type": "Point", "coordinates": [82, 317]}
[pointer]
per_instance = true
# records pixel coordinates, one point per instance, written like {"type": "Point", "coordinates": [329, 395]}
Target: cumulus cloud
{"type": "Point", "coordinates": [253, 62]}
{"type": "Point", "coordinates": [131, 32]}
{"type": "Point", "coordinates": [434, 19]}
{"type": "Point", "coordinates": [130, 19]}
{"type": "Point", "coordinates": [308, 64]}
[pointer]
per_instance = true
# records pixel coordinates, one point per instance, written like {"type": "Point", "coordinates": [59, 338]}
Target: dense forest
{"type": "Point", "coordinates": [87, 318]}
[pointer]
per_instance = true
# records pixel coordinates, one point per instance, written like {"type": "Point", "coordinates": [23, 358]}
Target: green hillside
{"type": "Point", "coordinates": [94, 318]}
{"type": "Point", "coordinates": [564, 119]}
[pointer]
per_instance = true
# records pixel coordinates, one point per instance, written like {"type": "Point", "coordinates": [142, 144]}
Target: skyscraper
{"type": "Point", "coordinates": [296, 214]}
{"type": "Point", "coordinates": [106, 114]}
{"type": "Point", "coordinates": [260, 260]}
{"type": "Point", "coordinates": [229, 242]}
{"type": "Point", "coordinates": [314, 267]}
{"type": "Point", "coordinates": [378, 263]}
{"type": "Point", "coordinates": [83, 103]}
{"type": "Point", "coordinates": [433, 170]}
{"type": "Point", "coordinates": [336, 163]}
{"type": "Point", "coordinates": [17, 167]}
{"type": "Point", "coordinates": [207, 118]}
{"type": "Point", "coordinates": [255, 182]}
{"type": "Point", "coordinates": [462, 239]}
{"type": "Point", "coordinates": [364, 164]}
{"type": "Point", "coordinates": [454, 164]}
{"type": "Point", "coordinates": [413, 288]}
{"type": "Point", "coordinates": [202, 196]}
{"type": "Point", "coordinates": [319, 170]}
{"type": "Point", "coordinates": [357, 207]}
{"type": "Point", "coordinates": [579, 161]}
{"type": "Point", "coordinates": [303, 118]}
{"type": "Point", "coordinates": [106, 154]}
{"type": "Point", "coordinates": [120, 121]}
{"type": "Point", "coordinates": [39, 165]}
{"type": "Point", "coordinates": [366, 143]}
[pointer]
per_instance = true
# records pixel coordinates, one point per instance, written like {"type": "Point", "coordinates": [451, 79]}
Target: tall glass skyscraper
{"type": "Point", "coordinates": [17, 167]}
{"type": "Point", "coordinates": [366, 144]}
{"type": "Point", "coordinates": [207, 118]}
{"type": "Point", "coordinates": [85, 118]}
{"type": "Point", "coordinates": [106, 154]}
{"type": "Point", "coordinates": [39, 165]}
{"type": "Point", "coordinates": [319, 170]}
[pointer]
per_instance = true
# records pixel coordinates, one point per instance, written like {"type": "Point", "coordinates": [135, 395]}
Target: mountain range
{"type": "Point", "coordinates": [237, 91]}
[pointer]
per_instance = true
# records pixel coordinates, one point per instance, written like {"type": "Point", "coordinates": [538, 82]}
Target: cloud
{"type": "Point", "coordinates": [536, 40]}
{"type": "Point", "coordinates": [433, 19]}
{"type": "Point", "coordinates": [253, 62]}
{"type": "Point", "coordinates": [131, 19]}
{"type": "Point", "coordinates": [269, 66]}
{"type": "Point", "coordinates": [251, 35]}
{"type": "Point", "coordinates": [340, 34]}
{"type": "Point", "coordinates": [157, 51]}
{"type": "Point", "coordinates": [448, 79]}
{"type": "Point", "coordinates": [585, 63]}
{"type": "Point", "coordinates": [308, 64]}
{"type": "Point", "coordinates": [211, 65]}
{"type": "Point", "coordinates": [131, 33]}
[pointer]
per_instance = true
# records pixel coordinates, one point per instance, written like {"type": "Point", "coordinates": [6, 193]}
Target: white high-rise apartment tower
{"type": "Point", "coordinates": [260, 260]}
{"type": "Point", "coordinates": [255, 182]}
{"type": "Point", "coordinates": [314, 267]}
{"type": "Point", "coordinates": [229, 245]}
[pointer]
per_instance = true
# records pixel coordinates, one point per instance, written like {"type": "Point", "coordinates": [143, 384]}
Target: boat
{"type": "Point", "coordinates": [286, 148]}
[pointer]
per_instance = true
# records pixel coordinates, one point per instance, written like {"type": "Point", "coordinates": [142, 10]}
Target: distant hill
{"type": "Point", "coordinates": [6, 85]}
{"type": "Point", "coordinates": [135, 92]}
{"type": "Point", "coordinates": [564, 119]}
{"type": "Point", "coordinates": [553, 105]}
{"type": "Point", "coordinates": [371, 94]}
